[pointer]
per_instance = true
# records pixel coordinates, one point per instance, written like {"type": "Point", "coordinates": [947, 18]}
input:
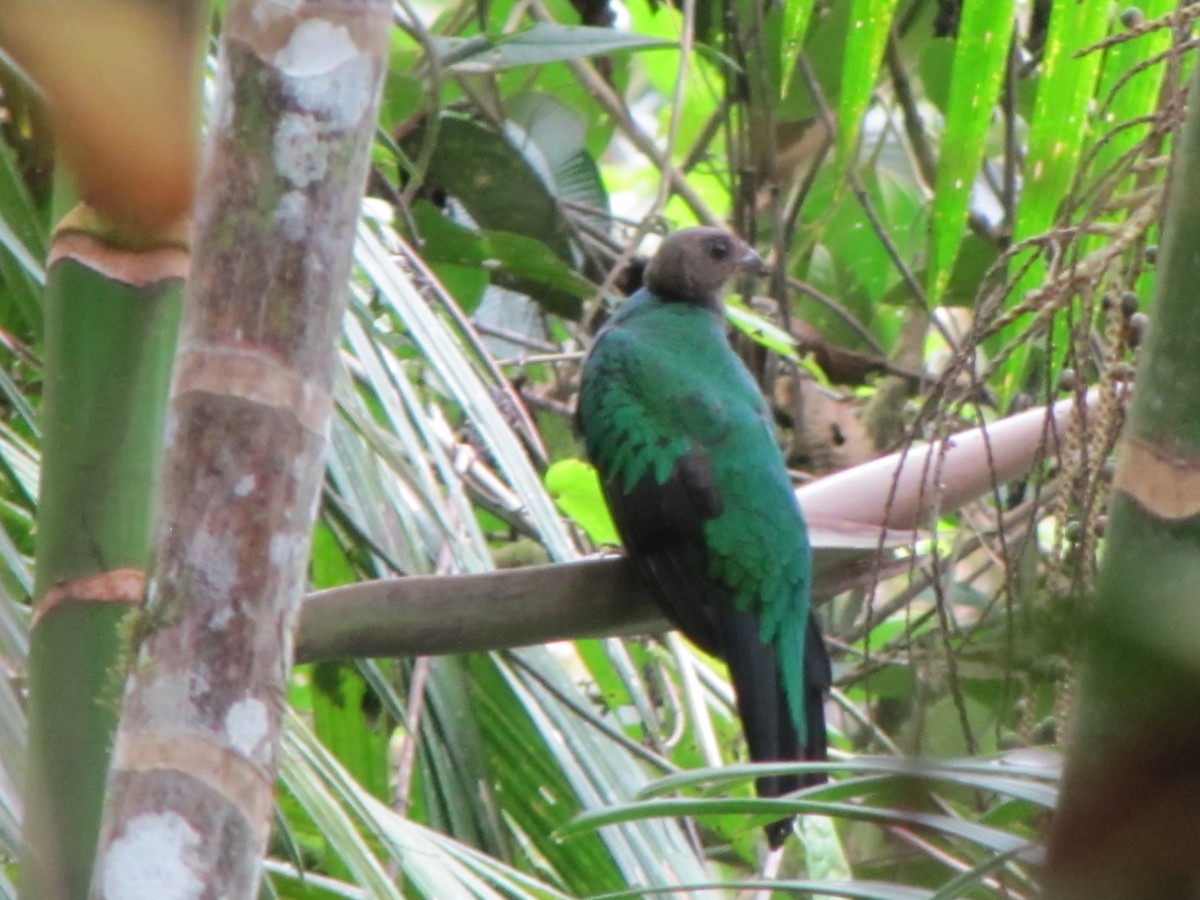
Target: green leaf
{"type": "Point", "coordinates": [497, 185]}
{"type": "Point", "coordinates": [560, 133]}
{"type": "Point", "coordinates": [328, 563]}
{"type": "Point", "coordinates": [990, 839]}
{"type": "Point", "coordinates": [975, 256]}
{"type": "Point", "coordinates": [597, 768]}
{"type": "Point", "coordinates": [980, 62]}
{"type": "Point", "coordinates": [529, 266]}
{"type": "Point", "coordinates": [871, 20]}
{"type": "Point", "coordinates": [471, 389]}
{"type": "Point", "coordinates": [454, 252]}
{"type": "Point", "coordinates": [465, 258]}
{"type": "Point", "coordinates": [575, 487]}
{"type": "Point", "coordinates": [22, 250]}
{"type": "Point", "coordinates": [761, 330]}
{"type": "Point", "coordinates": [796, 16]}
{"type": "Point", "coordinates": [402, 97]}
{"type": "Point", "coordinates": [347, 719]}
{"type": "Point", "coordinates": [825, 50]}
{"type": "Point", "coordinates": [503, 191]}
{"type": "Point", "coordinates": [1128, 89]}
{"type": "Point", "coordinates": [543, 43]}
{"type": "Point", "coordinates": [936, 68]}
{"type": "Point", "coordinates": [1058, 128]}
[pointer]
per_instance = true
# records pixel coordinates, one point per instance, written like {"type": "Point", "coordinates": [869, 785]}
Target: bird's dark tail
{"type": "Point", "coordinates": [762, 705]}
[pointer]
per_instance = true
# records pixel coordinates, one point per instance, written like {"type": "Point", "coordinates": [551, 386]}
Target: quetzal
{"type": "Point", "coordinates": [684, 444]}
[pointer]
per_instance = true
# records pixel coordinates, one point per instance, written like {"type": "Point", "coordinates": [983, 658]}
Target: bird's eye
{"type": "Point", "coordinates": [718, 249]}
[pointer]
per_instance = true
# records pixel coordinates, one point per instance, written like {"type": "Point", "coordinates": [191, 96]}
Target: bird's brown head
{"type": "Point", "coordinates": [692, 264]}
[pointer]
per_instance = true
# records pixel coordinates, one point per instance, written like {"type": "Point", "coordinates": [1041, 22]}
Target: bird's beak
{"type": "Point", "coordinates": [752, 262]}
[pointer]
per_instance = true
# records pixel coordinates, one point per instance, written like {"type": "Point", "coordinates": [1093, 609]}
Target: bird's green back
{"type": "Point", "coordinates": [663, 382]}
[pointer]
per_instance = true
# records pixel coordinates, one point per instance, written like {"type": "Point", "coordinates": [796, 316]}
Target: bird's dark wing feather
{"type": "Point", "coordinates": [662, 527]}
{"type": "Point", "coordinates": [762, 706]}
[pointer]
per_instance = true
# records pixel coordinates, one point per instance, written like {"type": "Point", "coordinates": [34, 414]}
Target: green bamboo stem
{"type": "Point", "coordinates": [1129, 817]}
{"type": "Point", "coordinates": [112, 306]}
{"type": "Point", "coordinates": [111, 318]}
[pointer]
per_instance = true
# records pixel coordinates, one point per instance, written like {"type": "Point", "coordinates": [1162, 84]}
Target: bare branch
{"type": "Point", "coordinates": [603, 597]}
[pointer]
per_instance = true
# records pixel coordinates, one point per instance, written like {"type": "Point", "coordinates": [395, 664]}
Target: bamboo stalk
{"type": "Point", "coordinates": [112, 315]}
{"type": "Point", "coordinates": [195, 759]}
{"type": "Point", "coordinates": [112, 305]}
{"type": "Point", "coordinates": [1127, 823]}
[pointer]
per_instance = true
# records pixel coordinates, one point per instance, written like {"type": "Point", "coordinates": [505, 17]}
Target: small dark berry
{"type": "Point", "coordinates": [1135, 329]}
{"type": "Point", "coordinates": [1132, 17]}
{"type": "Point", "coordinates": [1129, 304]}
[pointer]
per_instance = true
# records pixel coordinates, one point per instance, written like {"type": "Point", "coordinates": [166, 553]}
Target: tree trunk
{"type": "Point", "coordinates": [194, 764]}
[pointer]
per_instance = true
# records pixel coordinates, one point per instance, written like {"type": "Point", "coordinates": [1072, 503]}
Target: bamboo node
{"type": "Point", "coordinates": [221, 769]}
{"type": "Point", "coordinates": [115, 586]}
{"type": "Point", "coordinates": [252, 375]}
{"type": "Point", "coordinates": [1165, 485]}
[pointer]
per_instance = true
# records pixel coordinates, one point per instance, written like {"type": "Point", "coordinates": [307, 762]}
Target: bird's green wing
{"type": "Point", "coordinates": [640, 412]}
{"type": "Point", "coordinates": [680, 434]}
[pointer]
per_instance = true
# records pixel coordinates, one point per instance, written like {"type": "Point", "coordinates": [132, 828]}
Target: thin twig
{"type": "Point", "coordinates": [1008, 101]}
{"type": "Point", "coordinates": [416, 27]}
{"type": "Point", "coordinates": [514, 337]}
{"type": "Point", "coordinates": [408, 754]}
{"type": "Point", "coordinates": [681, 80]}
{"type": "Point", "coordinates": [840, 311]}
{"type": "Point", "coordinates": [914, 126]}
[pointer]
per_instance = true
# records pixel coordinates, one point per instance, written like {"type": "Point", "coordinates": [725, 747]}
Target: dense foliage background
{"type": "Point", "coordinates": [959, 203]}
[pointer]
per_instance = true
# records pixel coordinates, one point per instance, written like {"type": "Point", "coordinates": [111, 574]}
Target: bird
{"type": "Point", "coordinates": [685, 450]}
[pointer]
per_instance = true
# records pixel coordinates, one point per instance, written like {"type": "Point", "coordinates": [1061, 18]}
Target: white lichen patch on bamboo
{"type": "Point", "coordinates": [162, 697]}
{"type": "Point", "coordinates": [201, 685]}
{"type": "Point", "coordinates": [247, 726]}
{"type": "Point", "coordinates": [292, 214]}
{"type": "Point", "coordinates": [284, 548]}
{"type": "Point", "coordinates": [245, 485]}
{"type": "Point", "coordinates": [154, 858]}
{"type": "Point", "coordinates": [263, 13]}
{"type": "Point", "coordinates": [301, 152]}
{"type": "Point", "coordinates": [339, 98]}
{"type": "Point", "coordinates": [316, 47]}
{"type": "Point", "coordinates": [213, 557]}
{"type": "Point", "coordinates": [220, 620]}
{"type": "Point", "coordinates": [1163, 484]}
